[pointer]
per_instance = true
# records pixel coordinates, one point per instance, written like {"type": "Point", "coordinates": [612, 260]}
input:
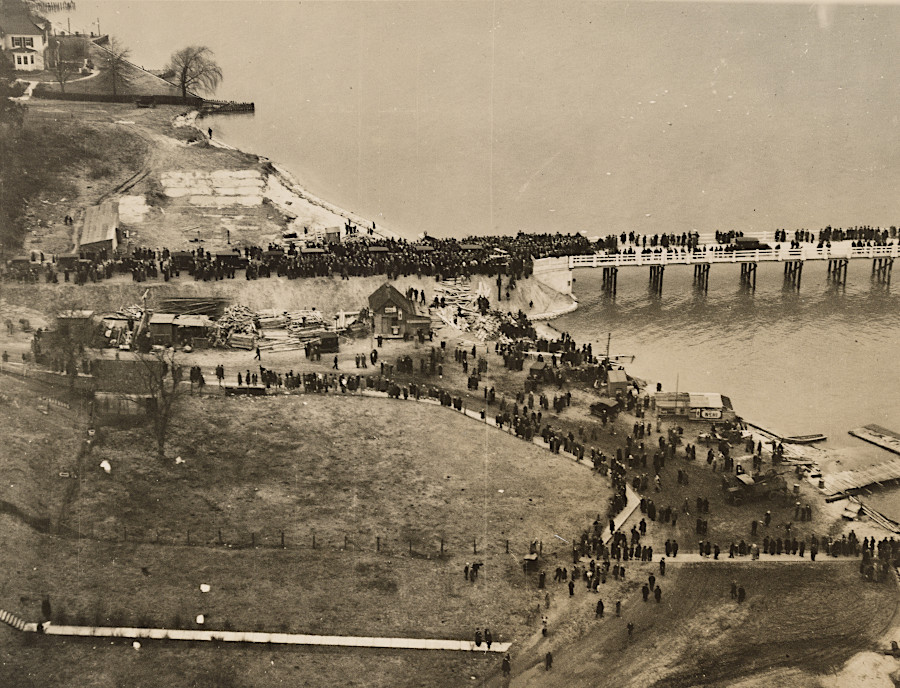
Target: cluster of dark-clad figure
{"type": "Point", "coordinates": [441, 258]}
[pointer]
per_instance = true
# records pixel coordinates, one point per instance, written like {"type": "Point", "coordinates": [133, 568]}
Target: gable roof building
{"type": "Point", "coordinates": [21, 36]}
{"type": "Point", "coordinates": [101, 228]}
{"type": "Point", "coordinates": [394, 315]}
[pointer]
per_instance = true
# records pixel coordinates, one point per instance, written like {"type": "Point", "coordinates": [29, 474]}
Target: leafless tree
{"type": "Point", "coordinates": [62, 70]}
{"type": "Point", "coordinates": [115, 63]}
{"type": "Point", "coordinates": [195, 69]}
{"type": "Point", "coordinates": [160, 378]}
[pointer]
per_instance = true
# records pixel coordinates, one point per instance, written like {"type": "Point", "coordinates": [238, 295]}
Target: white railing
{"type": "Point", "coordinates": [709, 256]}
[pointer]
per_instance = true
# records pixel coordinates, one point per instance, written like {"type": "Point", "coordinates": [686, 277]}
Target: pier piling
{"type": "Point", "coordinates": [610, 277]}
{"type": "Point", "coordinates": [793, 272]}
{"type": "Point", "coordinates": [837, 270]}
{"type": "Point", "coordinates": [748, 275]}
{"type": "Point", "coordinates": [656, 278]}
{"type": "Point", "coordinates": [881, 270]}
{"type": "Point", "coordinates": [701, 276]}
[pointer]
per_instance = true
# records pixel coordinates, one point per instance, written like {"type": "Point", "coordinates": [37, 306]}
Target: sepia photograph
{"type": "Point", "coordinates": [445, 343]}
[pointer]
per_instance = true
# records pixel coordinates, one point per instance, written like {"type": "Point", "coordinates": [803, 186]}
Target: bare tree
{"type": "Point", "coordinates": [116, 64]}
{"type": "Point", "coordinates": [160, 378]}
{"type": "Point", "coordinates": [62, 69]}
{"type": "Point", "coordinates": [195, 69]}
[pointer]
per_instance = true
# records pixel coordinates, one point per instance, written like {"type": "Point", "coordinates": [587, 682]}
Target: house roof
{"type": "Point", "coordinates": [24, 50]}
{"type": "Point", "coordinates": [16, 22]}
{"type": "Point", "coordinates": [193, 321]}
{"type": "Point", "coordinates": [100, 223]}
{"type": "Point", "coordinates": [617, 376]}
{"type": "Point", "coordinates": [162, 318]}
{"type": "Point", "coordinates": [386, 294]}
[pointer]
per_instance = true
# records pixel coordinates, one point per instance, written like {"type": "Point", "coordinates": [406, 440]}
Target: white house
{"type": "Point", "coordinates": [23, 39]}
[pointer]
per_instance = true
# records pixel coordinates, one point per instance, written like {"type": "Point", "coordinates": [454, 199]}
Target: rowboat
{"type": "Point", "coordinates": [804, 439]}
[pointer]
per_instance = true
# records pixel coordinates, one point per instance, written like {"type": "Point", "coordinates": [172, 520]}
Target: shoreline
{"type": "Point", "coordinates": [287, 179]}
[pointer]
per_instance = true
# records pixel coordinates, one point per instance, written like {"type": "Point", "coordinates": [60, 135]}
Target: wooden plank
{"type": "Point", "coordinates": [274, 638]}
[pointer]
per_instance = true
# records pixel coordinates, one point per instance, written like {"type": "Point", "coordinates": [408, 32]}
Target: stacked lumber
{"type": "Point", "coordinates": [134, 312]}
{"type": "Point", "coordinates": [211, 306]}
{"type": "Point", "coordinates": [235, 328]}
{"type": "Point", "coordinates": [242, 341]}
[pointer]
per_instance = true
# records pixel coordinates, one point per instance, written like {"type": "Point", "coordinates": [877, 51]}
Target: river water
{"type": "Point", "coordinates": [461, 118]}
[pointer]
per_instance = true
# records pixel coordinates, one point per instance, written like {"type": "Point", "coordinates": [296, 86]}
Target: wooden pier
{"type": "Point", "coordinates": [840, 485]}
{"type": "Point", "coordinates": [884, 438]}
{"type": "Point", "coordinates": [221, 107]}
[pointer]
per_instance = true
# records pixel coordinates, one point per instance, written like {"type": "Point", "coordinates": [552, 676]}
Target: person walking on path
{"type": "Point", "coordinates": [488, 638]}
{"type": "Point", "coordinates": [630, 630]}
{"type": "Point", "coordinates": [258, 356]}
{"type": "Point", "coordinates": [733, 590]}
{"type": "Point", "coordinates": [477, 637]}
{"type": "Point", "coordinates": [599, 613]}
{"type": "Point", "coordinates": [657, 594]}
{"type": "Point", "coordinates": [335, 366]}
{"type": "Point", "coordinates": [645, 592]}
{"type": "Point", "coordinates": [548, 661]}
{"type": "Point", "coordinates": [618, 608]}
{"type": "Point", "coordinates": [662, 567]}
{"type": "Point", "coordinates": [506, 666]}
{"type": "Point", "coordinates": [741, 595]}
{"type": "Point", "coordinates": [571, 588]}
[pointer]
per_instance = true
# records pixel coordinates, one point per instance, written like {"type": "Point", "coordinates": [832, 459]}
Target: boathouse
{"type": "Point", "coordinates": [394, 315]}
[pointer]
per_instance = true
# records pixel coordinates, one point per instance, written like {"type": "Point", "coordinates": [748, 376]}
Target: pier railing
{"type": "Point", "coordinates": [709, 255]}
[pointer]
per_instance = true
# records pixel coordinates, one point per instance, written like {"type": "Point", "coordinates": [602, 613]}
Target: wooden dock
{"type": "Point", "coordinates": [839, 485]}
{"type": "Point", "coordinates": [884, 438]}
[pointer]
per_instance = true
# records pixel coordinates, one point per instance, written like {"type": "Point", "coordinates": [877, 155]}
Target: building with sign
{"type": "Point", "coordinates": [394, 315]}
{"type": "Point", "coordinates": [694, 405]}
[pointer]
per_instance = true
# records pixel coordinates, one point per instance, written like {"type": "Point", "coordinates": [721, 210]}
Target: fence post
{"type": "Point", "coordinates": [507, 546]}
{"type": "Point", "coordinates": [377, 543]}
{"type": "Point", "coordinates": [220, 536]}
{"type": "Point", "coordinates": [282, 539]}
{"type": "Point", "coordinates": [442, 546]}
{"type": "Point", "coordinates": [474, 546]}
{"type": "Point", "coordinates": [314, 540]}
{"type": "Point", "coordinates": [410, 546]}
{"type": "Point", "coordinates": [345, 542]}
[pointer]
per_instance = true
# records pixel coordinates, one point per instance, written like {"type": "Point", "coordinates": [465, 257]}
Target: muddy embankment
{"type": "Point", "coordinates": [327, 294]}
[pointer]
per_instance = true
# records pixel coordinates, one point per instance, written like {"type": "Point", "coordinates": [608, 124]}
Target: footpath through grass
{"type": "Point", "coordinates": [363, 468]}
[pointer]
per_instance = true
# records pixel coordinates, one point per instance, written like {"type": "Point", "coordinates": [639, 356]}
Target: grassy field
{"type": "Point", "coordinates": [364, 468]}
{"type": "Point", "coordinates": [49, 163]}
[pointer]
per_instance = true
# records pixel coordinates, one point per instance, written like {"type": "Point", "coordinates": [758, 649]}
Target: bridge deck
{"type": "Point", "coordinates": [706, 255]}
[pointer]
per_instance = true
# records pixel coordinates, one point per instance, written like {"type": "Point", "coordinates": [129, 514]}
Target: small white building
{"type": "Point", "coordinates": [22, 38]}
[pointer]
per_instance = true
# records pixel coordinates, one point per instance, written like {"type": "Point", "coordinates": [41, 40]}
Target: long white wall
{"type": "Point", "coordinates": [555, 273]}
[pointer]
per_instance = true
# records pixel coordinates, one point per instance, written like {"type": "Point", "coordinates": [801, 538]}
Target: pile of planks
{"type": "Point", "coordinates": [235, 328]}
{"type": "Point", "coordinates": [212, 306]}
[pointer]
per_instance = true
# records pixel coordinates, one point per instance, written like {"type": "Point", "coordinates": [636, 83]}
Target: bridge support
{"type": "Point", "coordinates": [837, 270]}
{"type": "Point", "coordinates": [610, 276]}
{"type": "Point", "coordinates": [656, 278]}
{"type": "Point", "coordinates": [881, 270]}
{"type": "Point", "coordinates": [793, 272]}
{"type": "Point", "coordinates": [748, 275]}
{"type": "Point", "coordinates": [701, 276]}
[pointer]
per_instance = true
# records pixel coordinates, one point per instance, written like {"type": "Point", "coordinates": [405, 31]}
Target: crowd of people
{"type": "Point", "coordinates": [441, 258]}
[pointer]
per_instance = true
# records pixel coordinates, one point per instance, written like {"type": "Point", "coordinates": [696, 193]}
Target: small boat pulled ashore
{"type": "Point", "coordinates": [804, 439]}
